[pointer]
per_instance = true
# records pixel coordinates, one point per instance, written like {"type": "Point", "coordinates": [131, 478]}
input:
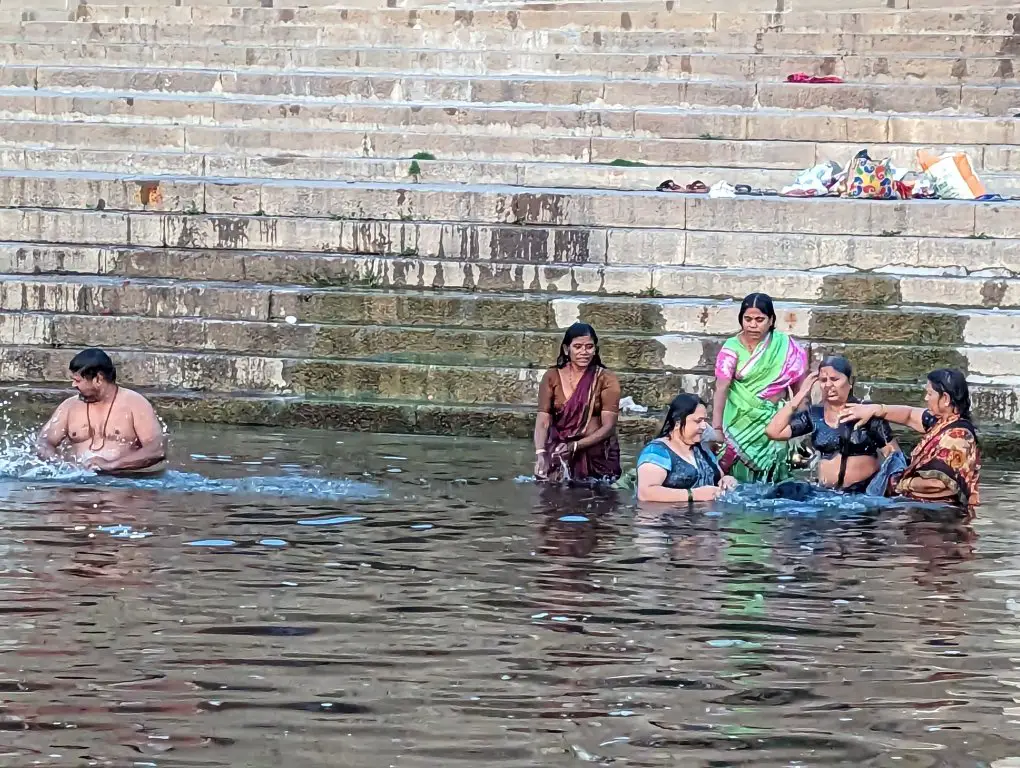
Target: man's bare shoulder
{"type": "Point", "coordinates": [130, 397]}
{"type": "Point", "coordinates": [67, 405]}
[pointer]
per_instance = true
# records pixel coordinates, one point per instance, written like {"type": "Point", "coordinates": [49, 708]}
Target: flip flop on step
{"type": "Point", "coordinates": [697, 188]}
{"type": "Point", "coordinates": [745, 189]}
{"type": "Point", "coordinates": [669, 186]}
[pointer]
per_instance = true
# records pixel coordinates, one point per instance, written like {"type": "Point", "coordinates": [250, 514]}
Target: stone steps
{"type": "Point", "coordinates": [519, 171]}
{"type": "Point", "coordinates": [925, 324]}
{"type": "Point", "coordinates": [614, 39]}
{"type": "Point", "coordinates": [394, 416]}
{"type": "Point", "coordinates": [374, 382]}
{"type": "Point", "coordinates": [253, 127]}
{"type": "Point", "coordinates": [168, 211]}
{"type": "Point", "coordinates": [385, 155]}
{"type": "Point", "coordinates": [632, 20]}
{"type": "Point", "coordinates": [392, 283]}
{"type": "Point", "coordinates": [327, 93]}
{"type": "Point", "coordinates": [907, 235]}
{"type": "Point", "coordinates": [242, 270]}
{"type": "Point", "coordinates": [189, 68]}
{"type": "Point", "coordinates": [640, 17]}
{"type": "Point", "coordinates": [323, 377]}
{"type": "Point", "coordinates": [625, 351]}
{"type": "Point", "coordinates": [646, 333]}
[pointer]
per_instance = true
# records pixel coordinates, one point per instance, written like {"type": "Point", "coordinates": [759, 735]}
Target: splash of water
{"type": "Point", "coordinates": [18, 458]}
{"type": "Point", "coordinates": [18, 461]}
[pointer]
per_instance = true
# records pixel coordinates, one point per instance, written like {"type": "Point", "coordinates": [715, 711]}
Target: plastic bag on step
{"type": "Point", "coordinates": [868, 179]}
{"type": "Point", "coordinates": [952, 175]}
{"type": "Point", "coordinates": [627, 405]}
{"type": "Point", "coordinates": [816, 180]}
{"type": "Point", "coordinates": [722, 189]}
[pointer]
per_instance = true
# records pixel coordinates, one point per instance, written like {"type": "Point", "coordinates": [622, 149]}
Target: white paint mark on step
{"type": "Point", "coordinates": [566, 312]}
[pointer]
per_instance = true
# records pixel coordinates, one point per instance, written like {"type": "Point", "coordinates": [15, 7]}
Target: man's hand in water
{"type": "Point", "coordinates": [99, 464]}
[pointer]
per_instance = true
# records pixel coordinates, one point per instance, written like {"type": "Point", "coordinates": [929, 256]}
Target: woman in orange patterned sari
{"type": "Point", "coordinates": [946, 464]}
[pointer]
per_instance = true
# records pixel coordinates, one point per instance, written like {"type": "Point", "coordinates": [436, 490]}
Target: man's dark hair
{"type": "Point", "coordinates": [89, 363]}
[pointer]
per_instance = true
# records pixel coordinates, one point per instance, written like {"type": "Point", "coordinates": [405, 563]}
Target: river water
{"type": "Point", "coordinates": [324, 599]}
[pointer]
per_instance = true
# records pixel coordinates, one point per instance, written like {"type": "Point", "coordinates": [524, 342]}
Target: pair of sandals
{"type": "Point", "coordinates": [694, 188]}
{"type": "Point", "coordinates": [700, 188]}
{"type": "Point", "coordinates": [746, 189]}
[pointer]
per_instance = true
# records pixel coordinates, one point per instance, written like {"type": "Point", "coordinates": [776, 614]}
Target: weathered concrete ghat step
{"type": "Point", "coordinates": [907, 283]}
{"type": "Point", "coordinates": [638, 18]}
{"type": "Point", "coordinates": [948, 68]}
{"type": "Point", "coordinates": [399, 416]}
{"type": "Point", "coordinates": [565, 161]}
{"type": "Point", "coordinates": [524, 172]}
{"type": "Point", "coordinates": [328, 207]}
{"type": "Point", "coordinates": [565, 247]}
{"type": "Point", "coordinates": [379, 382]}
{"type": "Point", "coordinates": [517, 93]}
{"type": "Point", "coordinates": [323, 270]}
{"type": "Point", "coordinates": [313, 129]}
{"type": "Point", "coordinates": [321, 377]}
{"type": "Point", "coordinates": [396, 416]}
{"type": "Point", "coordinates": [54, 87]}
{"type": "Point", "coordinates": [532, 312]}
{"type": "Point", "coordinates": [624, 351]}
{"type": "Point", "coordinates": [615, 39]}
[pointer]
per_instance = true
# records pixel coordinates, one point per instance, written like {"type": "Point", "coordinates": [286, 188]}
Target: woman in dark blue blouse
{"type": "Point", "coordinates": [675, 467]}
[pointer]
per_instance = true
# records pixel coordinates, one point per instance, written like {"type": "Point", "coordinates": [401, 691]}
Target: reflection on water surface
{"type": "Point", "coordinates": [358, 600]}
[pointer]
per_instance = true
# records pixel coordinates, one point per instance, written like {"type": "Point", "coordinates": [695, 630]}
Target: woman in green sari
{"type": "Point", "coordinates": [754, 370]}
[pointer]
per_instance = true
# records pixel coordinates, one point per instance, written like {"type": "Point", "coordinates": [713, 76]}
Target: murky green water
{"type": "Point", "coordinates": [434, 612]}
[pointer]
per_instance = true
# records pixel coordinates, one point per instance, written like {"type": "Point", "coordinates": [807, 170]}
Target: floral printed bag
{"type": "Point", "coordinates": [870, 179]}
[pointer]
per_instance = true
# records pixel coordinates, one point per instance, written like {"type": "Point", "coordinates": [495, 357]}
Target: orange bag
{"type": "Point", "coordinates": [951, 175]}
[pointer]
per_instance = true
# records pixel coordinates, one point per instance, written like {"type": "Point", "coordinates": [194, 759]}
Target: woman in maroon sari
{"type": "Point", "coordinates": [578, 404]}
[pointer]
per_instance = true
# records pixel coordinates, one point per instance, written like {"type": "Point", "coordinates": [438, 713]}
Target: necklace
{"type": "Point", "coordinates": [88, 417]}
{"type": "Point", "coordinates": [571, 379]}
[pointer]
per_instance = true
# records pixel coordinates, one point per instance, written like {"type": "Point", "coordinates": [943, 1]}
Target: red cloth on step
{"type": "Point", "coordinates": [803, 77]}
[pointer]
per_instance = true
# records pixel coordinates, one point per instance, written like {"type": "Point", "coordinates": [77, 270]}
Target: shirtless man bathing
{"type": "Point", "coordinates": [108, 428]}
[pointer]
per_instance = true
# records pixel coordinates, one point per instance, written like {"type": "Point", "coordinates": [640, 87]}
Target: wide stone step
{"type": "Point", "coordinates": [427, 328]}
{"type": "Point", "coordinates": [561, 246]}
{"type": "Point", "coordinates": [218, 372]}
{"type": "Point", "coordinates": [377, 129]}
{"type": "Point", "coordinates": [327, 93]}
{"type": "Point", "coordinates": [394, 416]}
{"type": "Point", "coordinates": [410, 417]}
{"type": "Point", "coordinates": [615, 38]}
{"type": "Point", "coordinates": [371, 155]}
{"type": "Point", "coordinates": [240, 270]}
{"type": "Point", "coordinates": [624, 351]}
{"type": "Point", "coordinates": [331, 206]}
{"type": "Point", "coordinates": [948, 68]}
{"type": "Point", "coordinates": [617, 174]}
{"type": "Point", "coordinates": [379, 382]}
{"type": "Point", "coordinates": [372, 343]}
{"type": "Point", "coordinates": [529, 312]}
{"type": "Point", "coordinates": [633, 17]}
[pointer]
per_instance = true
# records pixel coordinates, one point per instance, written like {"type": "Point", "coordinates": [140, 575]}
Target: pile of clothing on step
{"type": "Point", "coordinates": [946, 177]}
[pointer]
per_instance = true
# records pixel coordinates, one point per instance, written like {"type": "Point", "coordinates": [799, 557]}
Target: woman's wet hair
{"type": "Point", "coordinates": [683, 405]}
{"type": "Point", "coordinates": [577, 331]}
{"type": "Point", "coordinates": [761, 302]}
{"type": "Point", "coordinates": [949, 381]}
{"type": "Point", "coordinates": [839, 364]}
